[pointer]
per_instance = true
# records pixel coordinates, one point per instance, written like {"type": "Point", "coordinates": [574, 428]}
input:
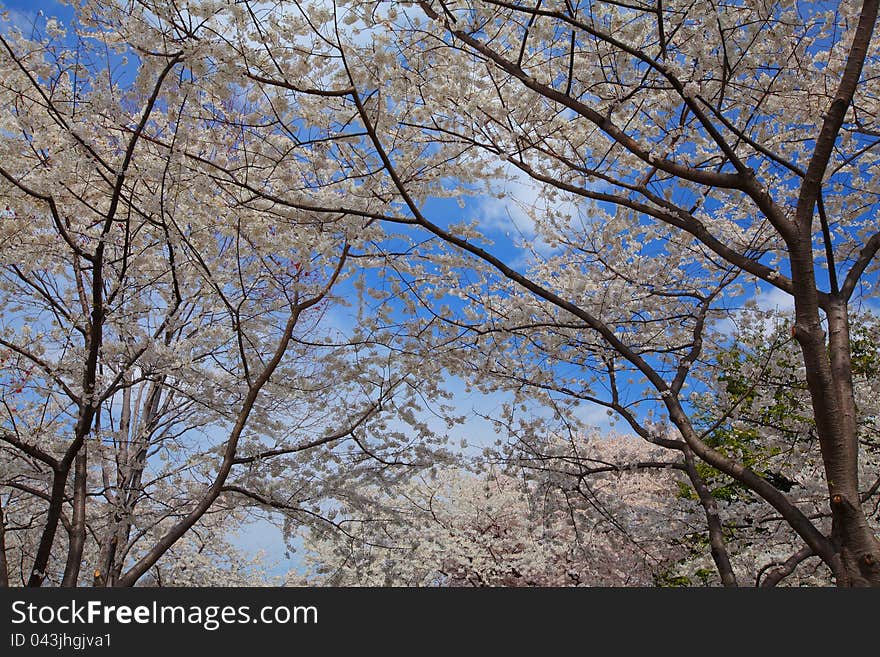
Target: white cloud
{"type": "Point", "coordinates": [775, 299]}
{"type": "Point", "coordinates": [518, 211]}
{"type": "Point", "coordinates": [510, 213]}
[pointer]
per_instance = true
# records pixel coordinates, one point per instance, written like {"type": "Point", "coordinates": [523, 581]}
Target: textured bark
{"type": "Point", "coordinates": [829, 379]}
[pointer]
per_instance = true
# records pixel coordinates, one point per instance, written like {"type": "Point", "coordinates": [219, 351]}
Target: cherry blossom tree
{"type": "Point", "coordinates": [460, 528]}
{"type": "Point", "coordinates": [681, 151]}
{"type": "Point", "coordinates": [680, 155]}
{"type": "Point", "coordinates": [168, 354]}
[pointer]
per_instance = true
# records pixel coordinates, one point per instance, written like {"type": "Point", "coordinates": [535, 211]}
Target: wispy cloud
{"type": "Point", "coordinates": [775, 299]}
{"type": "Point", "coordinates": [516, 207]}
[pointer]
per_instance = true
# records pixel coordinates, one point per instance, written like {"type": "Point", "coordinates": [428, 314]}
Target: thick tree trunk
{"type": "Point", "coordinates": [829, 379]}
{"type": "Point", "coordinates": [47, 539]}
{"type": "Point", "coordinates": [58, 494]}
{"type": "Point", "coordinates": [859, 548]}
{"type": "Point", "coordinates": [78, 529]}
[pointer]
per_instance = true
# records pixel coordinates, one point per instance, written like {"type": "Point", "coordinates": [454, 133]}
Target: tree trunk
{"type": "Point", "coordinates": [851, 534]}
{"type": "Point", "coordinates": [829, 379]}
{"type": "Point", "coordinates": [47, 539]}
{"type": "Point", "coordinates": [78, 529]}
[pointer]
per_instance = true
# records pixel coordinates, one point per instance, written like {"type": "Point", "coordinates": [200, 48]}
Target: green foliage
{"type": "Point", "coordinates": [760, 382]}
{"type": "Point", "coordinates": [667, 579]}
{"type": "Point", "coordinates": [865, 348]}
